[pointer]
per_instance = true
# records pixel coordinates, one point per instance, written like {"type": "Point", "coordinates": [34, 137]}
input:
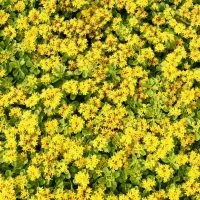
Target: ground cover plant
{"type": "Point", "coordinates": [99, 99]}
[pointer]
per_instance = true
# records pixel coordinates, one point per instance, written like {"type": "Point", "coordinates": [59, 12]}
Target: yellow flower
{"type": "Point", "coordinates": [151, 142]}
{"type": "Point", "coordinates": [44, 17]}
{"type": "Point", "coordinates": [46, 78]}
{"type": "Point", "coordinates": [164, 172]}
{"type": "Point", "coordinates": [148, 184]}
{"type": "Point", "coordinates": [10, 156]}
{"type": "Point", "coordinates": [179, 28]}
{"type": "Point", "coordinates": [174, 111]}
{"type": "Point", "coordinates": [51, 126]}
{"type": "Point", "coordinates": [181, 159]}
{"type": "Point", "coordinates": [84, 87]}
{"type": "Point", "coordinates": [127, 138]}
{"type": "Point", "coordinates": [9, 31]}
{"type": "Point", "coordinates": [43, 194]}
{"type": "Point", "coordinates": [74, 152]}
{"type": "Point", "coordinates": [194, 172]}
{"type": "Point", "coordinates": [71, 87]}
{"type": "Point", "coordinates": [33, 16]}
{"type": "Point", "coordinates": [142, 3]}
{"type": "Point", "coordinates": [2, 72]}
{"type": "Point", "coordinates": [32, 100]}
{"type": "Point", "coordinates": [65, 110]}
{"type": "Point", "coordinates": [91, 162]}
{"type": "Point", "coordinates": [134, 194]}
{"type": "Point", "coordinates": [131, 6]}
{"type": "Point", "coordinates": [22, 23]}
{"type": "Point", "coordinates": [98, 195]}
{"type": "Point", "coordinates": [52, 97]}
{"type": "Point", "coordinates": [76, 123]}
{"type": "Point", "coordinates": [78, 3]}
{"type": "Point", "coordinates": [19, 6]}
{"type": "Point", "coordinates": [190, 187]}
{"type": "Point", "coordinates": [21, 181]}
{"type": "Point", "coordinates": [33, 173]}
{"type": "Point", "coordinates": [159, 47]}
{"type": "Point", "coordinates": [82, 178]}
{"type": "Point", "coordinates": [133, 21]}
{"type": "Point", "coordinates": [117, 160]}
{"type": "Point", "coordinates": [3, 17]}
{"type": "Point", "coordinates": [187, 96]}
{"type": "Point", "coordinates": [100, 143]}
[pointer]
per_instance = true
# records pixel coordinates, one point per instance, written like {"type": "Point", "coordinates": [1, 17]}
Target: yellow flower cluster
{"type": "Point", "coordinates": [99, 99]}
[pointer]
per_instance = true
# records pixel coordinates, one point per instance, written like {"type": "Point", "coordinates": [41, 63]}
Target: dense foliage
{"type": "Point", "coordinates": [99, 99]}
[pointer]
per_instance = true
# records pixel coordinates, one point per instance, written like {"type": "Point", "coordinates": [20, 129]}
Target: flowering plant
{"type": "Point", "coordinates": [99, 99]}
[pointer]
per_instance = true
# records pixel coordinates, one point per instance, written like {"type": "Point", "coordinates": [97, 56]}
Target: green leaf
{"type": "Point", "coordinates": [9, 69]}
{"type": "Point", "coordinates": [36, 71]}
{"type": "Point", "coordinates": [22, 62]}
{"type": "Point", "coordinates": [21, 74]}
{"type": "Point", "coordinates": [29, 186]}
{"type": "Point", "coordinates": [14, 64]}
{"type": "Point", "coordinates": [22, 172]}
{"type": "Point", "coordinates": [29, 64]}
{"type": "Point", "coordinates": [124, 176]}
{"type": "Point", "coordinates": [150, 93]}
{"type": "Point", "coordinates": [102, 181]}
{"type": "Point", "coordinates": [85, 74]}
{"type": "Point", "coordinates": [68, 176]}
{"type": "Point", "coordinates": [41, 182]}
{"type": "Point", "coordinates": [65, 57]}
{"type": "Point", "coordinates": [116, 174]}
{"type": "Point", "coordinates": [106, 171]}
{"type": "Point", "coordinates": [8, 173]}
{"type": "Point", "coordinates": [2, 44]}
{"type": "Point", "coordinates": [77, 72]}
{"type": "Point", "coordinates": [197, 135]}
{"type": "Point", "coordinates": [113, 185]}
{"type": "Point", "coordinates": [162, 6]}
{"type": "Point", "coordinates": [72, 96]}
{"type": "Point", "coordinates": [125, 187]}
{"type": "Point", "coordinates": [31, 191]}
{"type": "Point", "coordinates": [7, 2]}
{"type": "Point", "coordinates": [15, 72]}
{"type": "Point", "coordinates": [132, 62]}
{"type": "Point", "coordinates": [108, 183]}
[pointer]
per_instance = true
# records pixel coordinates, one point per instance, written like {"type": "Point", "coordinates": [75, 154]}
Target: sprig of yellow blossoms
{"type": "Point", "coordinates": [99, 99]}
